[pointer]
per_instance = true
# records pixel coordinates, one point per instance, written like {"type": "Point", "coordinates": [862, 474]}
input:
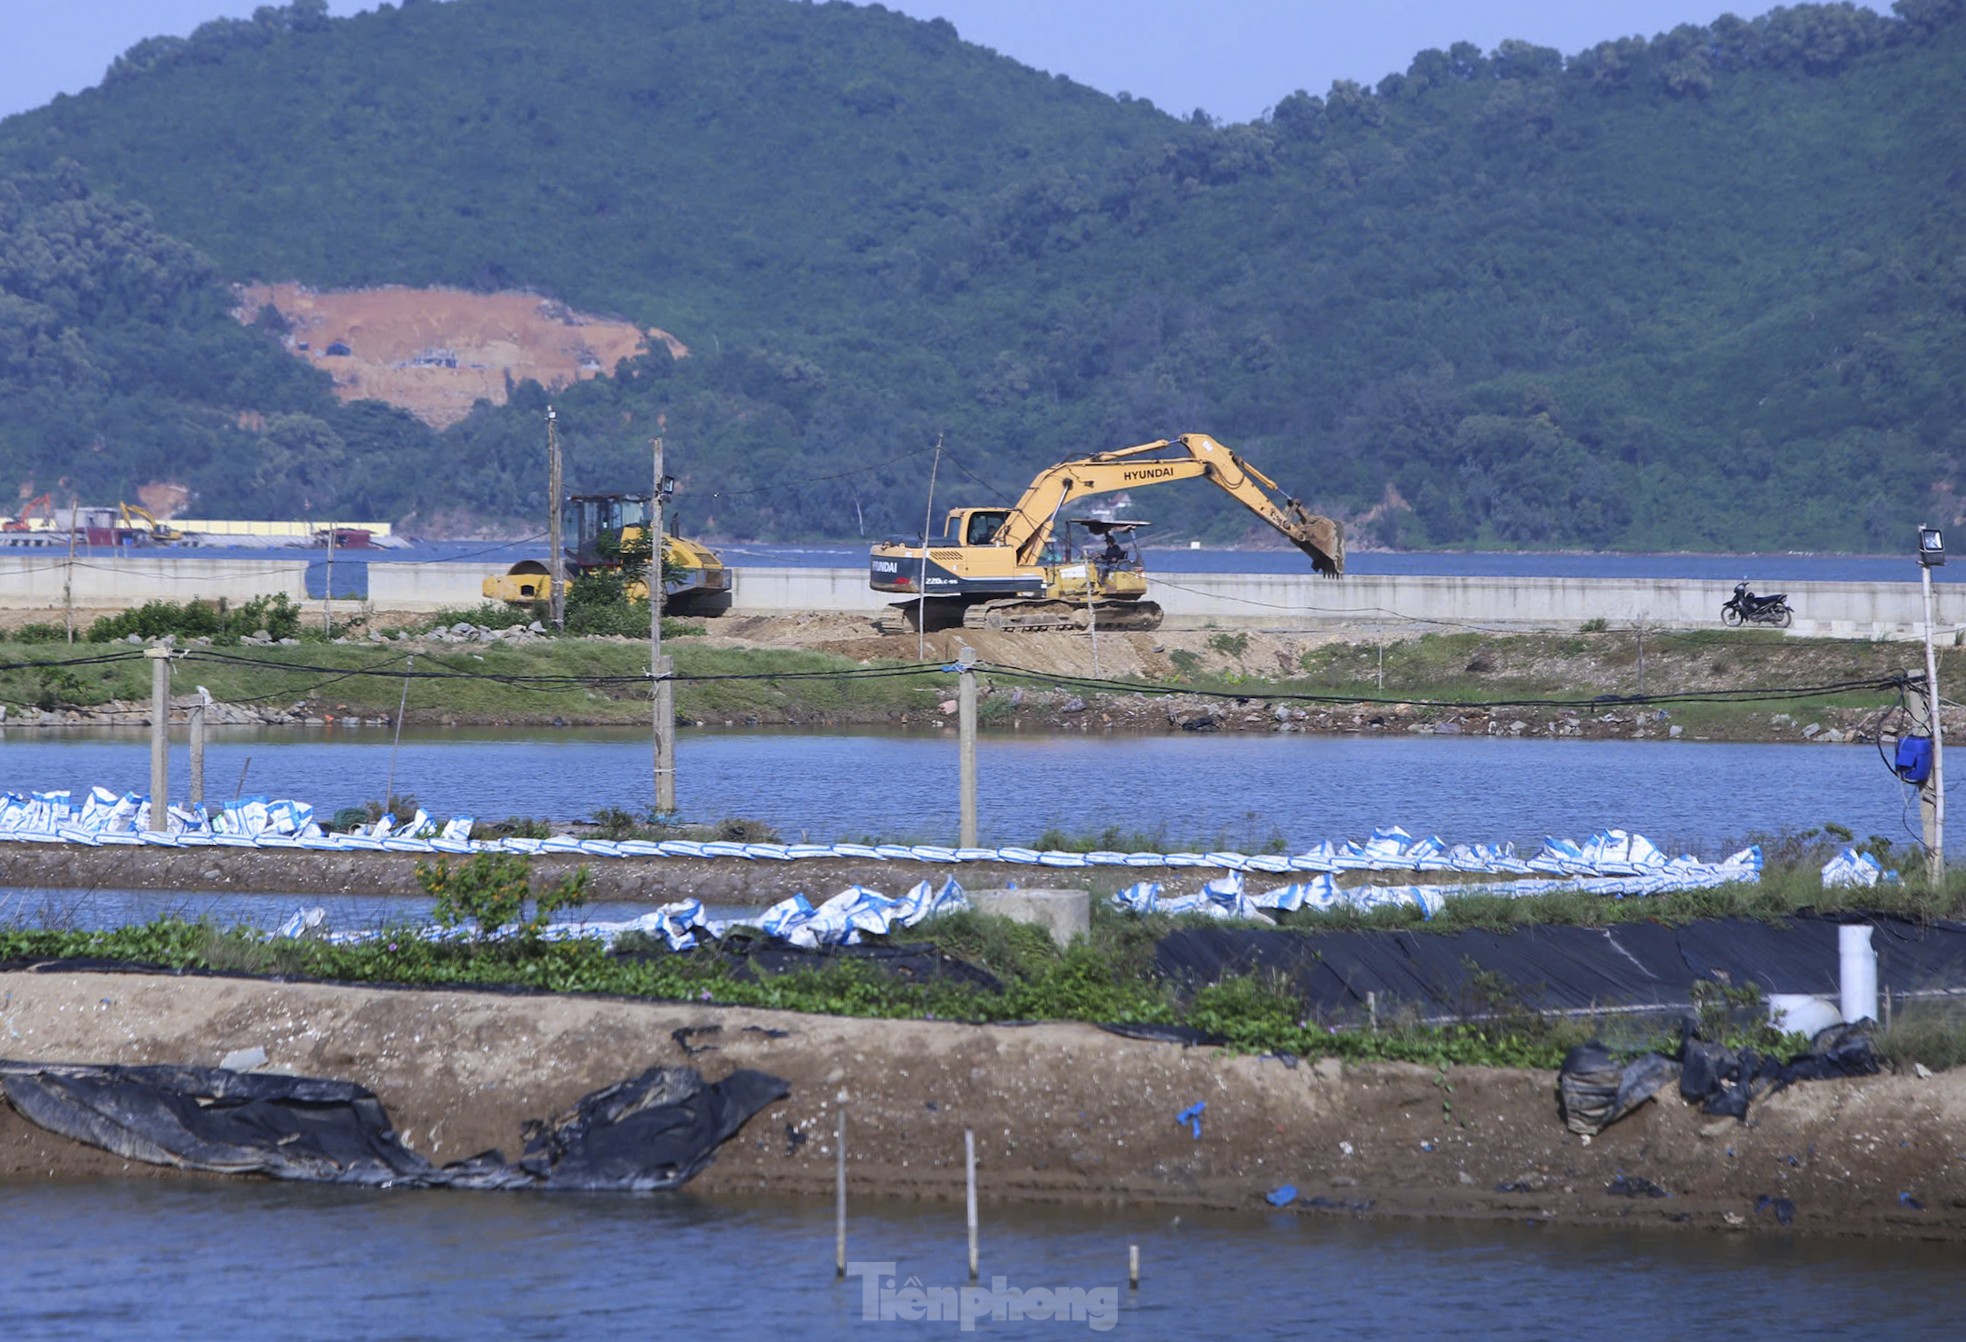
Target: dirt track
{"type": "Point", "coordinates": [1061, 1112]}
{"type": "Point", "coordinates": [654, 880]}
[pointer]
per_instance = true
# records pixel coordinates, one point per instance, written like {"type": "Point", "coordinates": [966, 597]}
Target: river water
{"type": "Point", "coordinates": [1178, 791]}
{"type": "Point", "coordinates": [165, 1259]}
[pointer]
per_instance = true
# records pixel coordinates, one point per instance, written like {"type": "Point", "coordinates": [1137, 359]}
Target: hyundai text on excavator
{"type": "Point", "coordinates": [1008, 568]}
{"type": "Point", "coordinates": [600, 525]}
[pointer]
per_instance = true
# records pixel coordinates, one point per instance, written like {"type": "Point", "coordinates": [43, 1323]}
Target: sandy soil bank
{"type": "Point", "coordinates": [1061, 1112]}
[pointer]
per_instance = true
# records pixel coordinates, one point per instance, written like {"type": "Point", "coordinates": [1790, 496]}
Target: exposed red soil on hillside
{"type": "Point", "coordinates": [436, 351]}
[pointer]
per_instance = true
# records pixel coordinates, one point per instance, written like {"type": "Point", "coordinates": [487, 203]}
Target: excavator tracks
{"type": "Point", "coordinates": [1023, 616]}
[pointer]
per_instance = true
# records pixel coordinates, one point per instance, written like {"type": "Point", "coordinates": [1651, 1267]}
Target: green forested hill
{"type": "Point", "coordinates": [1707, 290]}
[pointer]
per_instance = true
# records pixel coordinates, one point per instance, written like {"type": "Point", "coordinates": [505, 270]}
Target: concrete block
{"type": "Point", "coordinates": [1063, 913]}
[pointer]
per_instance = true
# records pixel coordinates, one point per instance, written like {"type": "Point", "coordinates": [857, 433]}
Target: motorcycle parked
{"type": "Point", "coordinates": [1747, 608]}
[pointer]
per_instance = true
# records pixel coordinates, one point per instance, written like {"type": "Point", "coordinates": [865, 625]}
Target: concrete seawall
{"type": "Point", "coordinates": [1276, 600]}
{"type": "Point", "coordinates": [1882, 610]}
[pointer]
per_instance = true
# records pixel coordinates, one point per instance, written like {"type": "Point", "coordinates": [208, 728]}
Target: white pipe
{"type": "Point", "coordinates": [1857, 982]}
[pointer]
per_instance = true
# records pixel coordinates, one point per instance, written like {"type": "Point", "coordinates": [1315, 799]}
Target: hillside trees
{"type": "Point", "coordinates": [1502, 298]}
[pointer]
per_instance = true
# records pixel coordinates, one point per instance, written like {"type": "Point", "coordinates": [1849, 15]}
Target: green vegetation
{"type": "Point", "coordinates": [1471, 667]}
{"type": "Point", "coordinates": [786, 685]}
{"type": "Point", "coordinates": [315, 673]}
{"type": "Point", "coordinates": [275, 616]}
{"type": "Point", "coordinates": [1256, 834]}
{"type": "Point", "coordinates": [490, 890]}
{"type": "Point", "coordinates": [1503, 298]}
{"type": "Point", "coordinates": [1106, 977]}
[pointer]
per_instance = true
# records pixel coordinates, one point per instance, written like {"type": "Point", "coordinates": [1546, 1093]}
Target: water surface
{"type": "Point", "coordinates": [141, 1258]}
{"type": "Point", "coordinates": [1233, 791]}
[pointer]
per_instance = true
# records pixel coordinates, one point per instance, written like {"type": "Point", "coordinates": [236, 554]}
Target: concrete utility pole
{"type": "Point", "coordinates": [1932, 793]}
{"type": "Point", "coordinates": [327, 589]}
{"type": "Point", "coordinates": [68, 571]}
{"type": "Point", "coordinates": [664, 696]}
{"type": "Point", "coordinates": [160, 738]}
{"type": "Point", "coordinates": [556, 578]}
{"type": "Point", "coordinates": [966, 733]}
{"type": "Point", "coordinates": [197, 734]}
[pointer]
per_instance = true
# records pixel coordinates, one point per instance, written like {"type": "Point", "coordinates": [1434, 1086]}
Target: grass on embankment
{"type": "Point", "coordinates": [1449, 668]}
{"type": "Point", "coordinates": [1469, 668]}
{"type": "Point", "coordinates": [1107, 976]}
{"type": "Point", "coordinates": [317, 674]}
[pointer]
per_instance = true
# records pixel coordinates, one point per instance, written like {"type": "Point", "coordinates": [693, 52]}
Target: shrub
{"type": "Point", "coordinates": [40, 633]}
{"type": "Point", "coordinates": [277, 614]}
{"type": "Point", "coordinates": [491, 889]}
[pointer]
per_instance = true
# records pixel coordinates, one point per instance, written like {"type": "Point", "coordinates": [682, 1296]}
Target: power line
{"type": "Point", "coordinates": [815, 479]}
{"type": "Point", "coordinates": [549, 681]}
{"type": "Point", "coordinates": [1734, 694]}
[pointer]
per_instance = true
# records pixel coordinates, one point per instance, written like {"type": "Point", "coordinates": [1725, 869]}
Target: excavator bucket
{"type": "Point", "coordinates": [1319, 537]}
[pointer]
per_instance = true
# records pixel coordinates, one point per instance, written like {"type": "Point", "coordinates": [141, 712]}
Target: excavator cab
{"type": "Point", "coordinates": [973, 526]}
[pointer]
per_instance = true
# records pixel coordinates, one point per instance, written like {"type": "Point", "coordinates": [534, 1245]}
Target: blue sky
{"type": "Point", "coordinates": [1231, 57]}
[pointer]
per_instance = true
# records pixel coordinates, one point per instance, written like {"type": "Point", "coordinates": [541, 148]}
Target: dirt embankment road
{"type": "Point", "coordinates": [653, 880]}
{"type": "Point", "coordinates": [1060, 1112]}
{"type": "Point", "coordinates": [1343, 661]}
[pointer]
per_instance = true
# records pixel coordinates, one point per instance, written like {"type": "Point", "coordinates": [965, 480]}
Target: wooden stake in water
{"type": "Point", "coordinates": [969, 1154]}
{"type": "Point", "coordinates": [1132, 1267]}
{"type": "Point", "coordinates": [839, 1188]}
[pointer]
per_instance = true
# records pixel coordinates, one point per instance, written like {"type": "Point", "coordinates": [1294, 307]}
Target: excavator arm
{"type": "Point", "coordinates": [1188, 457]}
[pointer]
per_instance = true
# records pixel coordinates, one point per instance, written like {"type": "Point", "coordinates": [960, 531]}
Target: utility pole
{"type": "Point", "coordinates": [197, 734]}
{"type": "Point", "coordinates": [1932, 793]}
{"type": "Point", "coordinates": [556, 591]}
{"type": "Point", "coordinates": [160, 738]}
{"type": "Point", "coordinates": [327, 590]}
{"type": "Point", "coordinates": [928, 520]}
{"type": "Point", "coordinates": [68, 573]}
{"type": "Point", "coordinates": [664, 689]}
{"type": "Point", "coordinates": [966, 734]}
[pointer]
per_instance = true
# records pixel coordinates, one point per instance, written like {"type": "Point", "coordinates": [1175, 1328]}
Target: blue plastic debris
{"type": "Point", "coordinates": [1192, 1117]}
{"type": "Point", "coordinates": [1908, 1200]}
{"type": "Point", "coordinates": [1282, 1197]}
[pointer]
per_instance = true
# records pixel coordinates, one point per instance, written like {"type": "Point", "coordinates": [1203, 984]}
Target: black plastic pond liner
{"type": "Point", "coordinates": [650, 1133]}
{"type": "Point", "coordinates": [752, 958]}
{"type": "Point", "coordinates": [1185, 1035]}
{"type": "Point", "coordinates": [1563, 968]}
{"type": "Point", "coordinates": [1594, 1090]}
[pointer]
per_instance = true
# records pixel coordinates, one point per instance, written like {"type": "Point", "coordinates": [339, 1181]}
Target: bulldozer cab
{"type": "Point", "coordinates": [1090, 554]}
{"type": "Point", "coordinates": [598, 524]}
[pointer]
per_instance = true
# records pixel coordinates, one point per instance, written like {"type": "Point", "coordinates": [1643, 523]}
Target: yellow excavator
{"type": "Point", "coordinates": [600, 525]}
{"type": "Point", "coordinates": [1011, 568]}
{"type": "Point", "coordinates": [140, 525]}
